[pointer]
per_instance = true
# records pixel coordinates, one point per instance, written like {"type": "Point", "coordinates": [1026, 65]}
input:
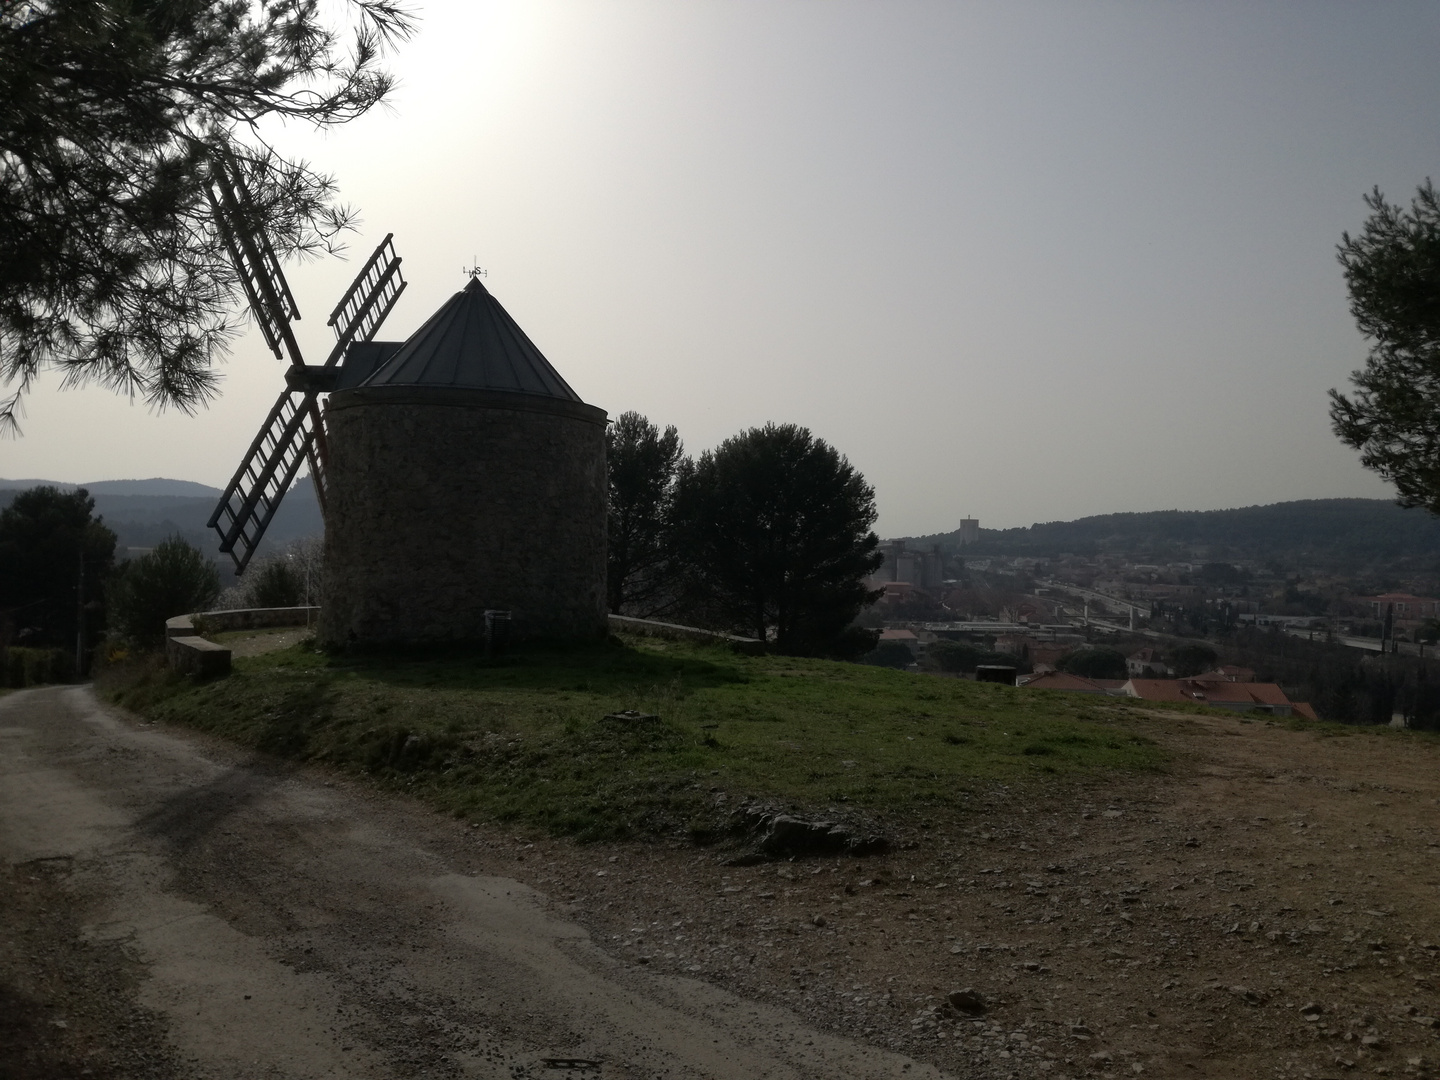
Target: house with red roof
{"type": "Point", "coordinates": [1221, 694]}
{"type": "Point", "coordinates": [1228, 673]}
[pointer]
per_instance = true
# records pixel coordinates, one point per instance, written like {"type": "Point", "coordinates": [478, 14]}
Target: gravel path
{"type": "Point", "coordinates": [174, 909]}
{"type": "Point", "coordinates": [1269, 908]}
{"type": "Point", "coordinates": [1175, 926]}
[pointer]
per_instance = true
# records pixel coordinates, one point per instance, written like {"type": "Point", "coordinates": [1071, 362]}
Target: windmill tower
{"type": "Point", "coordinates": [293, 431]}
{"type": "Point", "coordinates": [457, 471]}
{"type": "Point", "coordinates": [464, 474]}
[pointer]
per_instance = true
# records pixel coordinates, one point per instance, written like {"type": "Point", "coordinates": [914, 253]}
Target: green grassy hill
{"type": "Point", "coordinates": [524, 739]}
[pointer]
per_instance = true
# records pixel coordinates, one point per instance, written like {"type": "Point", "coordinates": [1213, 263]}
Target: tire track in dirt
{"type": "Point", "coordinates": [290, 928]}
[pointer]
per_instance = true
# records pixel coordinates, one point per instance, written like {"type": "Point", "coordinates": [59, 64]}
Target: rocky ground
{"type": "Point", "coordinates": [1269, 909]}
{"type": "Point", "coordinates": [68, 1003]}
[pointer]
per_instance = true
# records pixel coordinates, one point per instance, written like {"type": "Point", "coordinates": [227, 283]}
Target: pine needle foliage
{"type": "Point", "coordinates": [1392, 269]}
{"type": "Point", "coordinates": [111, 268]}
{"type": "Point", "coordinates": [642, 462]}
{"type": "Point", "coordinates": [773, 527]}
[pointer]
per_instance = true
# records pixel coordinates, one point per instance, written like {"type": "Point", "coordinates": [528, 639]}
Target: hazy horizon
{"type": "Point", "coordinates": [1025, 262]}
{"type": "Point", "coordinates": [101, 486]}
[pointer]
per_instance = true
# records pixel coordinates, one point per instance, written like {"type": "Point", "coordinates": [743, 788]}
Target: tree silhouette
{"type": "Point", "coordinates": [1392, 269]}
{"type": "Point", "coordinates": [774, 531]}
{"type": "Point", "coordinates": [174, 579]}
{"type": "Point", "coordinates": [45, 537]}
{"type": "Point", "coordinates": [111, 267]}
{"type": "Point", "coordinates": [642, 463]}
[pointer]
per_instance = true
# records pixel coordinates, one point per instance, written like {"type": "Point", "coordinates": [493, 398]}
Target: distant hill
{"type": "Point", "coordinates": [154, 486]}
{"type": "Point", "coordinates": [1340, 535]}
{"type": "Point", "coordinates": [144, 512]}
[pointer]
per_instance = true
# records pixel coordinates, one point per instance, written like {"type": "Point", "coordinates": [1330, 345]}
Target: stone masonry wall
{"type": "Point", "coordinates": [442, 503]}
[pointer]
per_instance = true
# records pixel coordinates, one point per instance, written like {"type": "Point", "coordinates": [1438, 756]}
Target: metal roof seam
{"type": "Point", "coordinates": [506, 327]}
{"type": "Point", "coordinates": [457, 334]}
{"type": "Point", "coordinates": [472, 341]}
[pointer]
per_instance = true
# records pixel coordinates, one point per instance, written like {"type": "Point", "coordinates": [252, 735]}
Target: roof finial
{"type": "Point", "coordinates": [475, 270]}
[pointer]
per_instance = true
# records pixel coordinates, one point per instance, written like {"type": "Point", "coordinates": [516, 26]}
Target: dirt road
{"type": "Point", "coordinates": [1270, 907]}
{"type": "Point", "coordinates": [177, 910]}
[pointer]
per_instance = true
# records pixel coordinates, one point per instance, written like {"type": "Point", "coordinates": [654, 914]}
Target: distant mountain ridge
{"type": "Point", "coordinates": [1354, 535]}
{"type": "Point", "coordinates": [156, 485]}
{"type": "Point", "coordinates": [144, 512]}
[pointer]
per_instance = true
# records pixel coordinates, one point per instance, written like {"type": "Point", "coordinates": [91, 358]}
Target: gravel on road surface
{"type": "Point", "coordinates": [1271, 907]}
{"type": "Point", "coordinates": [177, 909]}
{"type": "Point", "coordinates": [1268, 908]}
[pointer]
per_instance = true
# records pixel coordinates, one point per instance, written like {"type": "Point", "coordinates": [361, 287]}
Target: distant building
{"type": "Point", "coordinates": [1401, 611]}
{"type": "Point", "coordinates": [1027, 647]}
{"type": "Point", "coordinates": [1161, 590]}
{"type": "Point", "coordinates": [1146, 664]}
{"type": "Point", "coordinates": [924, 569]}
{"type": "Point", "coordinates": [1405, 605]}
{"type": "Point", "coordinates": [969, 532]}
{"type": "Point", "coordinates": [908, 638]}
{"type": "Point", "coordinates": [1221, 694]}
{"type": "Point", "coordinates": [1228, 673]}
{"type": "Point", "coordinates": [900, 592]}
{"type": "Point", "coordinates": [1287, 622]}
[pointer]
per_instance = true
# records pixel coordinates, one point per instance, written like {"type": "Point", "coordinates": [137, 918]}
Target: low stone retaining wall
{"type": "Point", "coordinates": [189, 653]}
{"type": "Point", "coordinates": [675, 632]}
{"type": "Point", "coordinates": [218, 622]}
{"type": "Point", "coordinates": [187, 650]}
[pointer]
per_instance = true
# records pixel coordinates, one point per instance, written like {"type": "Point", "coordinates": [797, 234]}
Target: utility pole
{"type": "Point", "coordinates": [80, 614]}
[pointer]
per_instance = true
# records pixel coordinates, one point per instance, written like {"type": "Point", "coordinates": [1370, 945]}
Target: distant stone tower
{"type": "Point", "coordinates": [464, 475]}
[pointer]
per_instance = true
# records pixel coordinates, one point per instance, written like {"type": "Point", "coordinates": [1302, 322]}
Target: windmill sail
{"type": "Point", "coordinates": [269, 469]}
{"type": "Point", "coordinates": [294, 429]}
{"type": "Point", "coordinates": [368, 301]}
{"type": "Point", "coordinates": [265, 286]}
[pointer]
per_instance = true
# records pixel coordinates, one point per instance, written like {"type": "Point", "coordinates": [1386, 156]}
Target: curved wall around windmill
{"type": "Point", "coordinates": [443, 502]}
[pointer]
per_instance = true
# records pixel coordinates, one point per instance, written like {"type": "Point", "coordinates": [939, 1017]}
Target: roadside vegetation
{"type": "Point", "coordinates": [526, 739]}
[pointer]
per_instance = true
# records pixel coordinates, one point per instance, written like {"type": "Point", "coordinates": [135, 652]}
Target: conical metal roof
{"type": "Point", "coordinates": [472, 343]}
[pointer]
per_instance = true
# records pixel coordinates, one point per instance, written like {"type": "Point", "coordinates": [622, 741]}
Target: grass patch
{"type": "Point", "coordinates": [523, 739]}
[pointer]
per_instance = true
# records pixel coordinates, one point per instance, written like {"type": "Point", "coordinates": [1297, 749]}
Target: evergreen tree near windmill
{"type": "Point", "coordinates": [294, 429]}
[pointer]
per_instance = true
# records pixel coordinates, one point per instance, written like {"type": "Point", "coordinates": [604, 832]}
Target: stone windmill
{"type": "Point", "coordinates": [465, 476]}
{"type": "Point", "coordinates": [293, 431]}
{"type": "Point", "coordinates": [458, 472]}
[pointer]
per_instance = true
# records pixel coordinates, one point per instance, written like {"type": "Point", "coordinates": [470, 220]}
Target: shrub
{"type": "Point", "coordinates": [277, 584]}
{"type": "Point", "coordinates": [961, 656]}
{"type": "Point", "coordinates": [773, 528]}
{"type": "Point", "coordinates": [174, 579]}
{"type": "Point", "coordinates": [1192, 658]}
{"type": "Point", "coordinates": [1094, 663]}
{"type": "Point", "coordinates": [891, 654]}
{"type": "Point", "coordinates": [21, 667]}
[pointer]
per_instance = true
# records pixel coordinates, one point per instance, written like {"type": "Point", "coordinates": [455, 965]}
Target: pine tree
{"type": "Point", "coordinates": [1392, 270]}
{"type": "Point", "coordinates": [774, 530]}
{"type": "Point", "coordinates": [111, 113]}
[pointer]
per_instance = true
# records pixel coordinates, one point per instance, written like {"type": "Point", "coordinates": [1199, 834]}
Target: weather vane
{"type": "Point", "coordinates": [475, 271]}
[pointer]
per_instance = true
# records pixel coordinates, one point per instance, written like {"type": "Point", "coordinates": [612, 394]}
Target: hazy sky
{"type": "Point", "coordinates": [1022, 261]}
